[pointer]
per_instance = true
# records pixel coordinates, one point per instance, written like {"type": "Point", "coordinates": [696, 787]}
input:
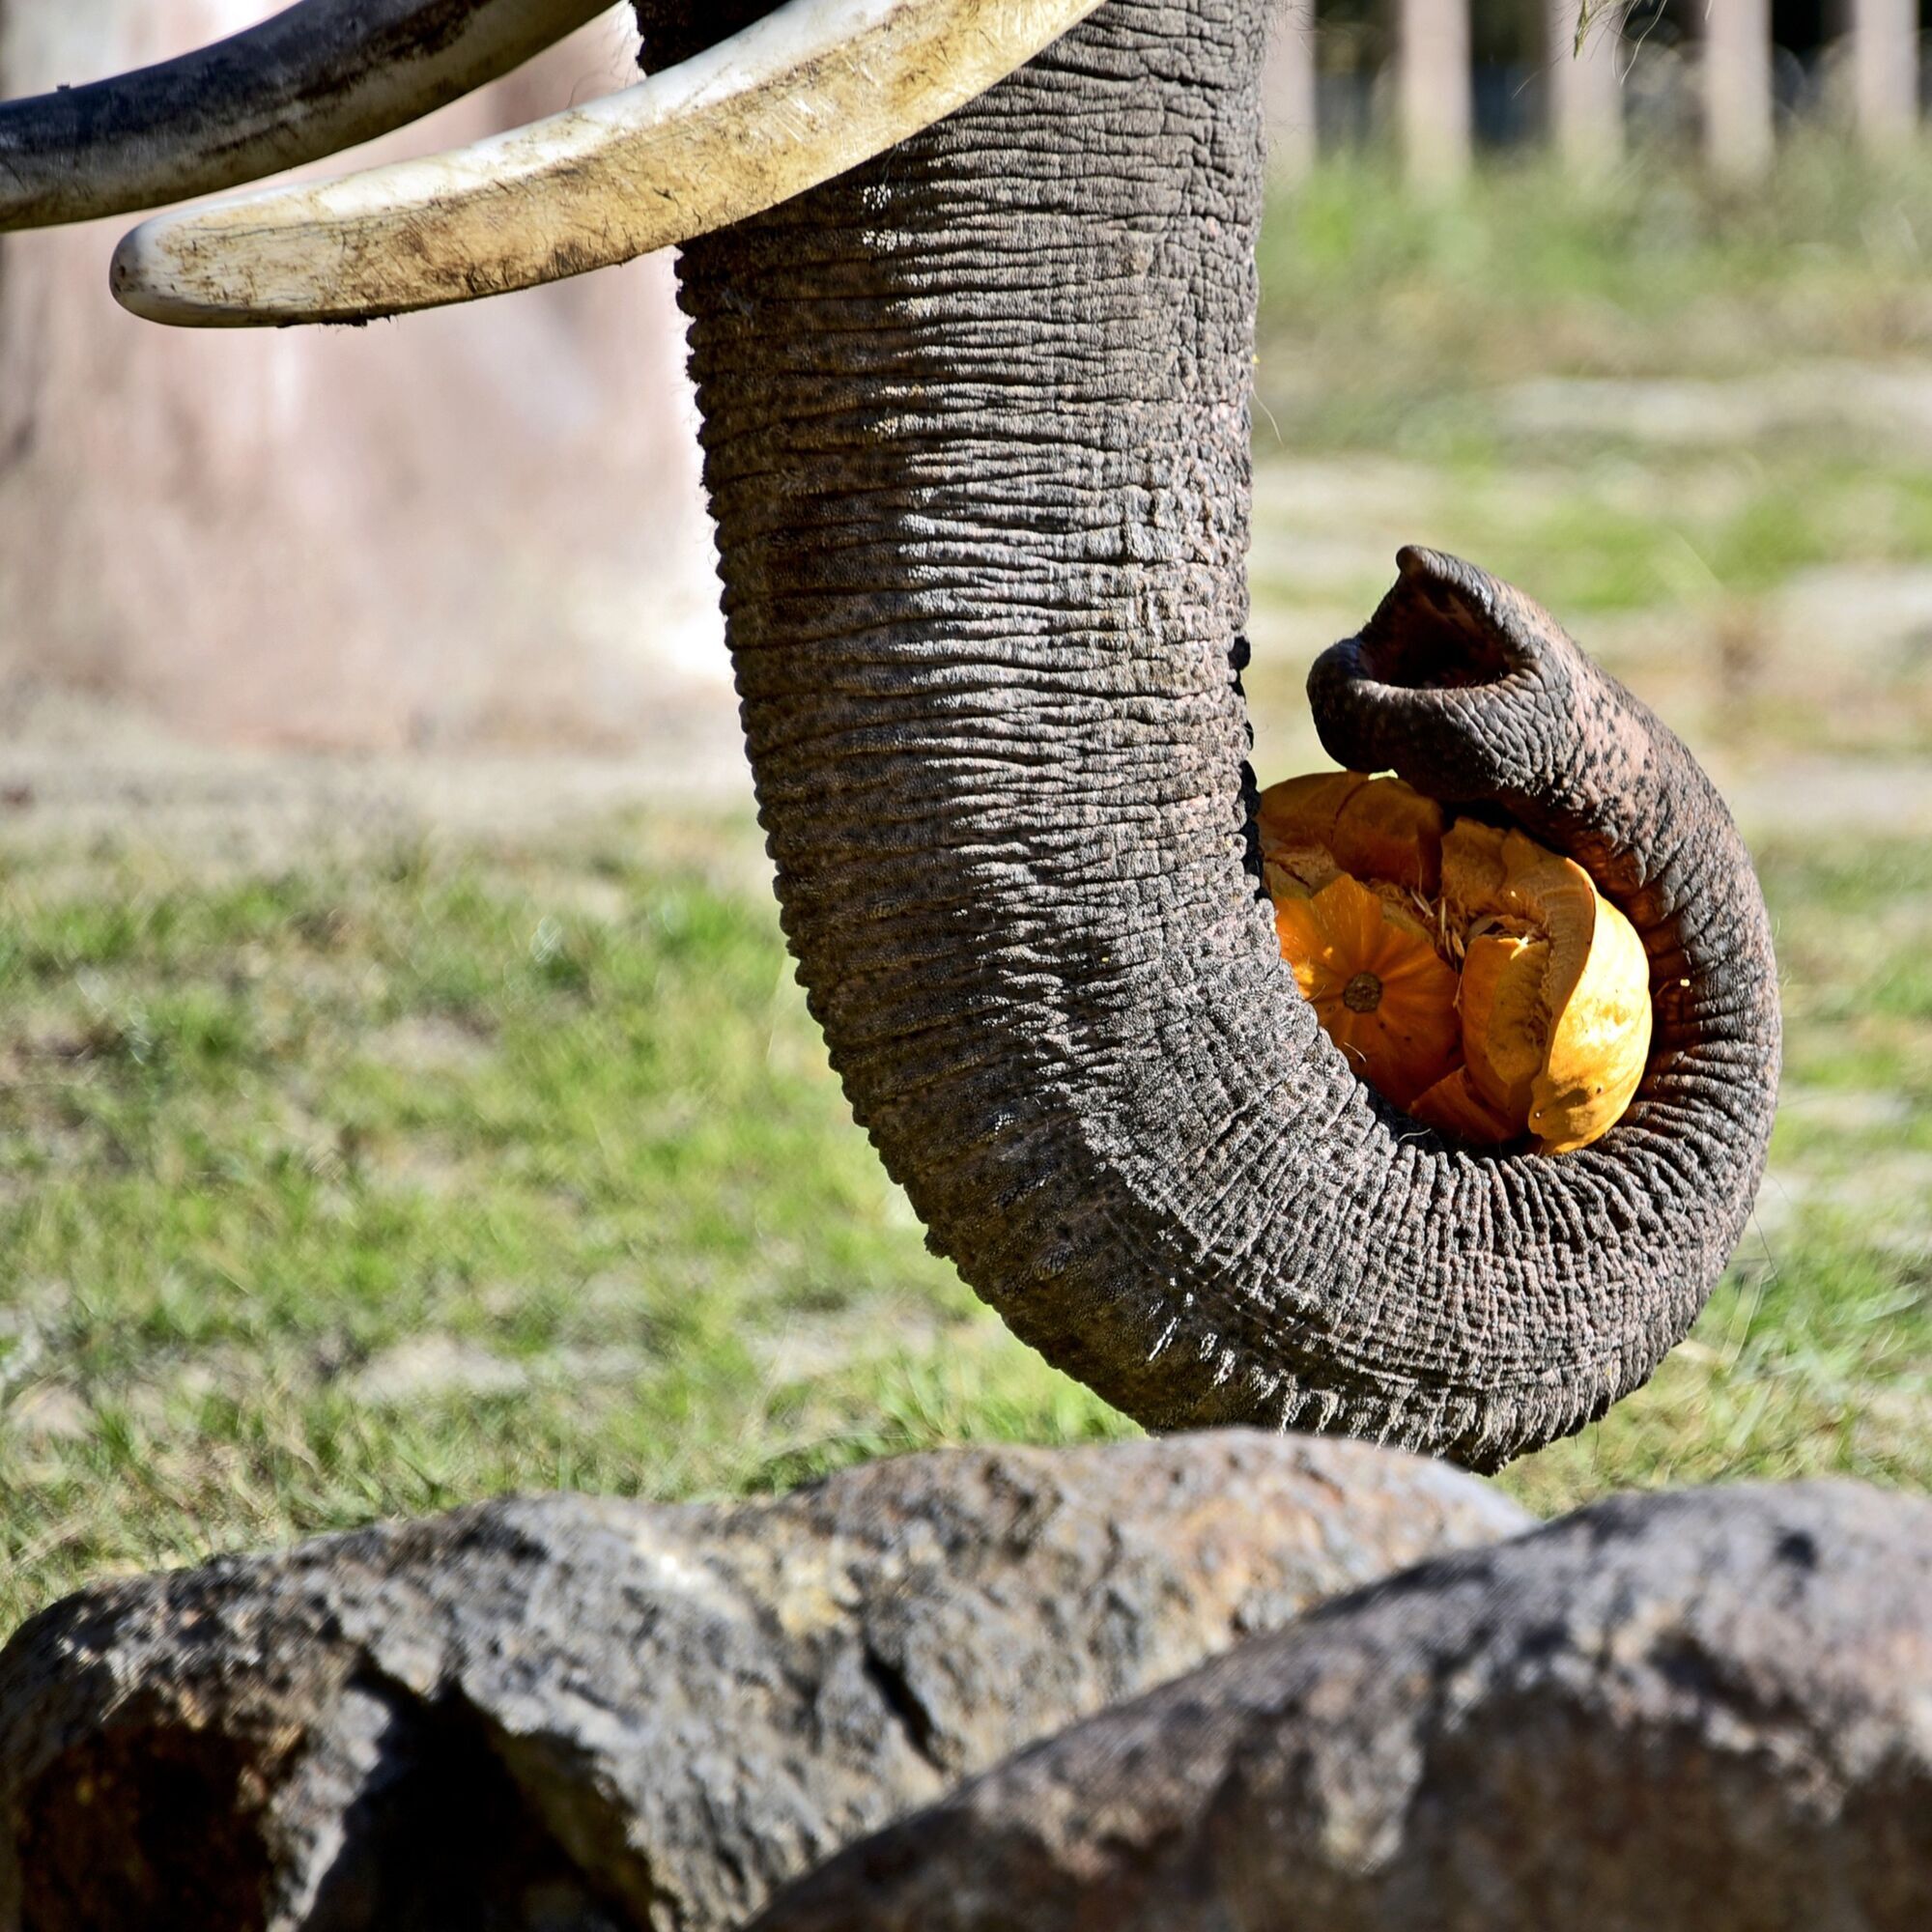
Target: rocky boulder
{"type": "Point", "coordinates": [1700, 1713]}
{"type": "Point", "coordinates": [573, 1713]}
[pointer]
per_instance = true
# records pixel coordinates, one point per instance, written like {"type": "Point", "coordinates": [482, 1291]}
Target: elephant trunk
{"type": "Point", "coordinates": [976, 431]}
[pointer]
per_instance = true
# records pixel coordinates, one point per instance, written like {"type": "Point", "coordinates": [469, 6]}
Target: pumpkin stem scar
{"type": "Point", "coordinates": [1363, 994]}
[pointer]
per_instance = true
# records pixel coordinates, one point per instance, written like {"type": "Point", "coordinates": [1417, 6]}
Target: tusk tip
{"type": "Point", "coordinates": [143, 278]}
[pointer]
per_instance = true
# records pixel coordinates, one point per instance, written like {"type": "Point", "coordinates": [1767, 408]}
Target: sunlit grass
{"type": "Point", "coordinates": [368, 1188]}
{"type": "Point", "coordinates": [1651, 271]}
{"type": "Point", "coordinates": [364, 1189]}
{"type": "Point", "coordinates": [394, 1179]}
{"type": "Point", "coordinates": [1491, 340]}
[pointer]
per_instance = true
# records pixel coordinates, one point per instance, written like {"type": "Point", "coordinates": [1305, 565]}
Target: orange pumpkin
{"type": "Point", "coordinates": [1453, 1106]}
{"type": "Point", "coordinates": [1376, 829]}
{"type": "Point", "coordinates": [1556, 1014]}
{"type": "Point", "coordinates": [1469, 974]}
{"type": "Point", "coordinates": [1378, 985]}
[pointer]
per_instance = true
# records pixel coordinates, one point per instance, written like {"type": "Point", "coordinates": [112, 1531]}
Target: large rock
{"type": "Point", "coordinates": [1698, 1713]}
{"type": "Point", "coordinates": [572, 1712]}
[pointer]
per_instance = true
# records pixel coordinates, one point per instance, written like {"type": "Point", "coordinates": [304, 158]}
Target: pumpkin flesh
{"type": "Point", "coordinates": [1370, 828]}
{"type": "Point", "coordinates": [1471, 976]}
{"type": "Point", "coordinates": [1376, 984]}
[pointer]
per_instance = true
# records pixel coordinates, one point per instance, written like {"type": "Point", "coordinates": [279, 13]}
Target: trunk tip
{"type": "Point", "coordinates": [1447, 624]}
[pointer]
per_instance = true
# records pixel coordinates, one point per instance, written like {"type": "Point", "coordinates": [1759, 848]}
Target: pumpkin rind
{"type": "Point", "coordinates": [1454, 1106]}
{"type": "Point", "coordinates": [1505, 1026]}
{"type": "Point", "coordinates": [1557, 1038]}
{"type": "Point", "coordinates": [1405, 1036]}
{"type": "Point", "coordinates": [1600, 1042]}
{"type": "Point", "coordinates": [1376, 829]}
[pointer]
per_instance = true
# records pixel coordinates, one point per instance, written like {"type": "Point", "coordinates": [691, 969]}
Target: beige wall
{"type": "Point", "coordinates": [477, 526]}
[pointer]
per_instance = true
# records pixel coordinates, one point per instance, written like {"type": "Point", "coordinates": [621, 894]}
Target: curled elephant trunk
{"type": "Point", "coordinates": [977, 442]}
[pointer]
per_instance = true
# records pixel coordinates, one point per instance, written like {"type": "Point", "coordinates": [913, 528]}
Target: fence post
{"type": "Point", "coordinates": [1885, 71]}
{"type": "Point", "coordinates": [1737, 87]}
{"type": "Point", "coordinates": [1432, 89]}
{"type": "Point", "coordinates": [1288, 91]}
{"type": "Point", "coordinates": [1586, 102]}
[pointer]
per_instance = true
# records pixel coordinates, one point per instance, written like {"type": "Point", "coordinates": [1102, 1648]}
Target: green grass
{"type": "Point", "coordinates": [1653, 272]}
{"type": "Point", "coordinates": [1436, 337]}
{"type": "Point", "coordinates": [394, 1179]}
{"type": "Point", "coordinates": [367, 1189]}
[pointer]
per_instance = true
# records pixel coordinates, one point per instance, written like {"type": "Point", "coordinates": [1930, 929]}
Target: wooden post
{"type": "Point", "coordinates": [1433, 90]}
{"type": "Point", "coordinates": [1885, 71]}
{"type": "Point", "coordinates": [1288, 91]}
{"type": "Point", "coordinates": [1737, 87]}
{"type": "Point", "coordinates": [1586, 102]}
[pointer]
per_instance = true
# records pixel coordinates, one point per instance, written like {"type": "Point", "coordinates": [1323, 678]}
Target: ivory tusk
{"type": "Point", "coordinates": [317, 78]}
{"type": "Point", "coordinates": [800, 95]}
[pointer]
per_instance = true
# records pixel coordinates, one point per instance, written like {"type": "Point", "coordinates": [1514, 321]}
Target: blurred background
{"type": "Point", "coordinates": [404, 1092]}
{"type": "Point", "coordinates": [377, 537]}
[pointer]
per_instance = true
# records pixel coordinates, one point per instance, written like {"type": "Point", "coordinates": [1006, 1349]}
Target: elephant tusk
{"type": "Point", "coordinates": [317, 78]}
{"type": "Point", "coordinates": [802, 95]}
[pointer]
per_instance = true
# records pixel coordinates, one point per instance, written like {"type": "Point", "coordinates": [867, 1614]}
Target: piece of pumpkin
{"type": "Point", "coordinates": [1378, 829]}
{"type": "Point", "coordinates": [1556, 989]}
{"type": "Point", "coordinates": [1505, 1029]}
{"type": "Point", "coordinates": [1454, 1106]}
{"type": "Point", "coordinates": [1381, 990]}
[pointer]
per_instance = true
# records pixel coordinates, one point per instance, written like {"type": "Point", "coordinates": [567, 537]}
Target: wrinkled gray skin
{"type": "Point", "coordinates": [975, 423]}
{"type": "Point", "coordinates": [577, 1713]}
{"type": "Point", "coordinates": [1702, 1713]}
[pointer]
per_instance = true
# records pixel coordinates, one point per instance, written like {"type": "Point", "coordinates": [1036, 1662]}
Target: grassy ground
{"type": "Point", "coordinates": [1665, 410]}
{"type": "Point", "coordinates": [353, 1191]}
{"type": "Point", "coordinates": [375, 1179]}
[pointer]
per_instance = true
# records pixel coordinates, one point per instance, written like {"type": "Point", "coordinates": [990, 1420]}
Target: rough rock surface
{"type": "Point", "coordinates": [1699, 1712]}
{"type": "Point", "coordinates": [569, 1713]}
